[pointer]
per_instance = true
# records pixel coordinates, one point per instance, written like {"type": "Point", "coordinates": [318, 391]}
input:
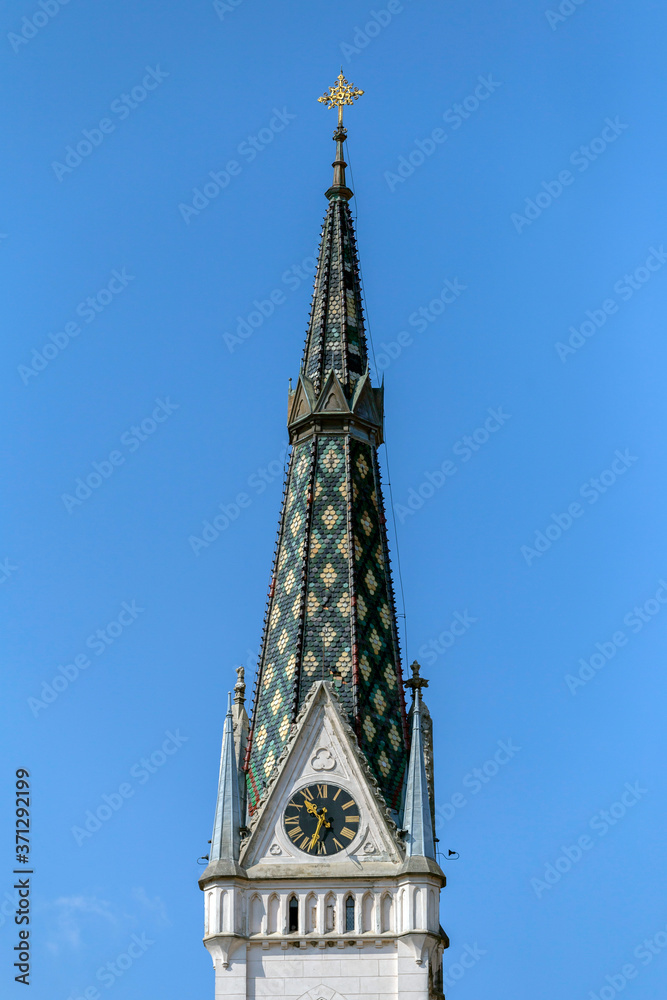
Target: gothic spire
{"type": "Point", "coordinates": [226, 839]}
{"type": "Point", "coordinates": [336, 339]}
{"type": "Point", "coordinates": [330, 612]}
{"type": "Point", "coordinates": [417, 819]}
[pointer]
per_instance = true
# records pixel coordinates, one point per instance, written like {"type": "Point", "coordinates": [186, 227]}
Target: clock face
{"type": "Point", "coordinates": [321, 819]}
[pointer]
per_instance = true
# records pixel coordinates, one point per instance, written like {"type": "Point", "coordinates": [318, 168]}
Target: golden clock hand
{"type": "Point", "coordinates": [311, 807]}
{"type": "Point", "coordinates": [316, 836]}
{"type": "Point", "coordinates": [323, 821]}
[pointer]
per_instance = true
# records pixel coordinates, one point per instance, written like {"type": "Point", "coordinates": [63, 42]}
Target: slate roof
{"type": "Point", "coordinates": [330, 613]}
{"type": "Point", "coordinates": [336, 338]}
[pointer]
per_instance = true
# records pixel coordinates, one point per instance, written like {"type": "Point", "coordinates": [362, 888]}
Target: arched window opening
{"type": "Point", "coordinates": [211, 923]}
{"type": "Point", "coordinates": [386, 913]}
{"type": "Point", "coordinates": [256, 914]}
{"type": "Point", "coordinates": [367, 913]}
{"type": "Point", "coordinates": [274, 912]}
{"type": "Point", "coordinates": [293, 914]}
{"type": "Point", "coordinates": [349, 913]}
{"type": "Point", "coordinates": [432, 910]}
{"type": "Point", "coordinates": [417, 915]}
{"type": "Point", "coordinates": [311, 914]}
{"type": "Point", "coordinates": [330, 913]}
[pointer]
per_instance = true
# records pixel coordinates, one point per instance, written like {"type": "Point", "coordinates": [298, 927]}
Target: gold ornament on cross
{"type": "Point", "coordinates": [342, 92]}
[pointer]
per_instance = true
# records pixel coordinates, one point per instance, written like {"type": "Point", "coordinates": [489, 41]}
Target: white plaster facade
{"type": "Point", "coordinates": [395, 946]}
{"type": "Point", "coordinates": [391, 952]}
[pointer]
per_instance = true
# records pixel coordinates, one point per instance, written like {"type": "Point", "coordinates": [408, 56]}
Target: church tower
{"type": "Point", "coordinates": [322, 881]}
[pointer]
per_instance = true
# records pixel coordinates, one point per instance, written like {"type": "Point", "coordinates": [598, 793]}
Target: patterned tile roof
{"type": "Point", "coordinates": [330, 612]}
{"type": "Point", "coordinates": [336, 338]}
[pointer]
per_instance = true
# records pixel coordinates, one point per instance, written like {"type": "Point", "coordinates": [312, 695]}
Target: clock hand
{"type": "Point", "coordinates": [323, 821]}
{"type": "Point", "coordinates": [311, 807]}
{"type": "Point", "coordinates": [316, 836]}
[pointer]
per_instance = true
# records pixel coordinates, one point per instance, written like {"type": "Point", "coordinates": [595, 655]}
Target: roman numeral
{"type": "Point", "coordinates": [346, 832]}
{"type": "Point", "coordinates": [349, 819]}
{"type": "Point", "coordinates": [322, 791]}
{"type": "Point", "coordinates": [337, 794]}
{"type": "Point", "coordinates": [346, 805]}
{"type": "Point", "coordinates": [304, 842]}
{"type": "Point", "coordinates": [296, 832]}
{"type": "Point", "coordinates": [297, 805]}
{"type": "Point", "coordinates": [338, 844]}
{"type": "Point", "coordinates": [321, 847]}
{"type": "Point", "coordinates": [307, 794]}
{"type": "Point", "coordinates": [291, 820]}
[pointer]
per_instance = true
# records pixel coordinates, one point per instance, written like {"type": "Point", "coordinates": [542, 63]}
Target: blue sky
{"type": "Point", "coordinates": [517, 156]}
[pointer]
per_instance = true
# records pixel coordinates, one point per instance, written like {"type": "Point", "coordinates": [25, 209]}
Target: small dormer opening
{"type": "Point", "coordinates": [349, 913]}
{"type": "Point", "coordinates": [293, 915]}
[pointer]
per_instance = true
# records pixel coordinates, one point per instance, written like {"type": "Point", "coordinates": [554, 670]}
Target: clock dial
{"type": "Point", "coordinates": [321, 819]}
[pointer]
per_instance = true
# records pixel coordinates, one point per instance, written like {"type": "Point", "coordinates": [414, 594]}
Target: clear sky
{"type": "Point", "coordinates": [509, 168]}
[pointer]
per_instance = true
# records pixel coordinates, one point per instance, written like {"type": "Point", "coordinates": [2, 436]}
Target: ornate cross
{"type": "Point", "coordinates": [341, 93]}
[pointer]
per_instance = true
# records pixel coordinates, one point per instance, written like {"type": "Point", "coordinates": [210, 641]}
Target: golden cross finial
{"type": "Point", "coordinates": [341, 93]}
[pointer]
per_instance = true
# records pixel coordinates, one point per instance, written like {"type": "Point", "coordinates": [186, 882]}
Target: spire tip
{"type": "Point", "coordinates": [343, 92]}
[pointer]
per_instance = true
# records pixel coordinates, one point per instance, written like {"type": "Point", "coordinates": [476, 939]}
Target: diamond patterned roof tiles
{"type": "Point", "coordinates": [330, 613]}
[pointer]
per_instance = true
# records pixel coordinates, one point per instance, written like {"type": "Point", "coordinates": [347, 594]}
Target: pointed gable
{"type": "Point", "coordinates": [332, 398]}
{"type": "Point", "coordinates": [321, 748]}
{"type": "Point", "coordinates": [301, 401]}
